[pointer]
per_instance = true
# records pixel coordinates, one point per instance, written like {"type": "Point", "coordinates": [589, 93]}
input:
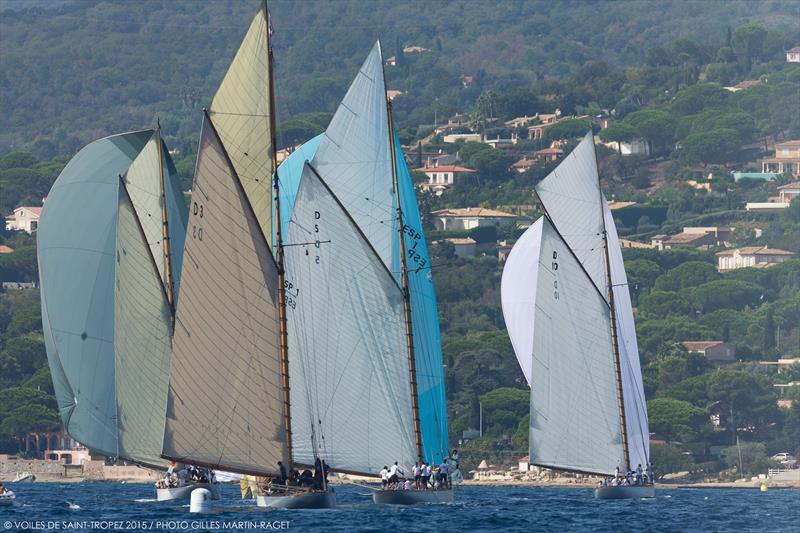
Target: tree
{"type": "Point", "coordinates": [668, 458]}
{"type": "Point", "coordinates": [724, 294]}
{"type": "Point", "coordinates": [619, 132]}
{"type": "Point", "coordinates": [749, 398]}
{"type": "Point", "coordinates": [753, 456]}
{"type": "Point", "coordinates": [567, 129]}
{"type": "Point", "coordinates": [717, 146]}
{"type": "Point", "coordinates": [503, 408]}
{"type": "Point", "coordinates": [655, 126]}
{"type": "Point", "coordinates": [747, 41]}
{"type": "Point", "coordinates": [689, 274]}
{"type": "Point", "coordinates": [676, 419]}
{"type": "Point", "coordinates": [642, 273]}
{"type": "Point", "coordinates": [665, 303]}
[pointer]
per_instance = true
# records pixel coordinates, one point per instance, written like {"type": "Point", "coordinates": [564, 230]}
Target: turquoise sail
{"type": "Point", "coordinates": [424, 321]}
{"type": "Point", "coordinates": [77, 244]}
{"type": "Point", "coordinates": [289, 173]}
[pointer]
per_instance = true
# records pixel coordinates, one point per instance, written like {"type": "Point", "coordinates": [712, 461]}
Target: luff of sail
{"type": "Point", "coordinates": [225, 404]}
{"type": "Point", "coordinates": [83, 312]}
{"type": "Point", "coordinates": [636, 424]}
{"type": "Point", "coordinates": [574, 413]}
{"type": "Point", "coordinates": [350, 395]}
{"type": "Point", "coordinates": [240, 111]}
{"type": "Point", "coordinates": [142, 328]}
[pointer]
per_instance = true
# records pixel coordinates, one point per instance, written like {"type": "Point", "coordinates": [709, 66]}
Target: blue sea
{"type": "Point", "coordinates": [130, 507]}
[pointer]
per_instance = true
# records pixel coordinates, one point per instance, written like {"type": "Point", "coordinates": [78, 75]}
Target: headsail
{"type": "Point", "coordinates": [76, 253]}
{"type": "Point", "coordinates": [142, 327]}
{"type": "Point", "coordinates": [354, 157]}
{"type": "Point", "coordinates": [637, 428]}
{"type": "Point", "coordinates": [350, 395]}
{"type": "Point", "coordinates": [425, 323]}
{"type": "Point", "coordinates": [240, 112]}
{"type": "Point", "coordinates": [225, 400]}
{"type": "Point", "coordinates": [574, 411]}
{"type": "Point", "coordinates": [571, 196]}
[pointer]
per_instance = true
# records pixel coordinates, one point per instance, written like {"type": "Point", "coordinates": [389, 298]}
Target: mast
{"type": "Point", "coordinates": [169, 283]}
{"type": "Point", "coordinates": [279, 256]}
{"type": "Point", "coordinates": [406, 293]}
{"type": "Point", "coordinates": [614, 338]}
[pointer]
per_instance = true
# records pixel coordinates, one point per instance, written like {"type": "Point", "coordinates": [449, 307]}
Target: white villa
{"type": "Point", "coordinates": [24, 219]}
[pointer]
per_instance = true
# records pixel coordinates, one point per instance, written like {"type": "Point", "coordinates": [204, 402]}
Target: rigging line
{"type": "Point", "coordinates": [226, 113]}
{"type": "Point", "coordinates": [306, 243]}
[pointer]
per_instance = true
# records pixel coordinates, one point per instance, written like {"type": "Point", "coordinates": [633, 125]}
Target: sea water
{"type": "Point", "coordinates": [131, 507]}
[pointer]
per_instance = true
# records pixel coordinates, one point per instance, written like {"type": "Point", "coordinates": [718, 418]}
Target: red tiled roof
{"type": "Point", "coordinates": [5, 249]}
{"type": "Point", "coordinates": [701, 346]}
{"type": "Point", "coordinates": [549, 151]}
{"type": "Point", "coordinates": [755, 250]}
{"type": "Point", "coordinates": [446, 168]}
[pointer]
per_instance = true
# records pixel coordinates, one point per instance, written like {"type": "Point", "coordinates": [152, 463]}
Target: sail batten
{"type": "Point", "coordinates": [225, 405]}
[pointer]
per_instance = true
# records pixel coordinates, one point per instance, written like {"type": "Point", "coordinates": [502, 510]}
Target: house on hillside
{"type": "Point", "coordinates": [467, 81]}
{"type": "Point", "coordinates": [24, 218]}
{"type": "Point", "coordinates": [523, 165]}
{"type": "Point", "coordinates": [452, 138]}
{"type": "Point", "coordinates": [391, 94]}
{"type": "Point", "coordinates": [788, 192]}
{"type": "Point", "coordinates": [632, 147]}
{"type": "Point", "coordinates": [751, 256]}
{"type": "Point", "coordinates": [519, 122]}
{"type": "Point", "coordinates": [503, 250]}
{"type": "Point", "coordinates": [715, 351]}
{"type": "Point", "coordinates": [442, 177]}
{"type": "Point", "coordinates": [415, 49]}
{"type": "Point", "coordinates": [697, 237]}
{"type": "Point", "coordinates": [548, 154]}
{"type": "Point", "coordinates": [5, 249]}
{"type": "Point", "coordinates": [785, 161]}
{"type": "Point", "coordinates": [793, 55]}
{"type": "Point", "coordinates": [463, 247]}
{"type": "Point", "coordinates": [742, 85]}
{"type": "Point", "coordinates": [466, 218]}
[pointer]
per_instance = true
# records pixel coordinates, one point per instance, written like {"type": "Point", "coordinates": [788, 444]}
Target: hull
{"type": "Point", "coordinates": [301, 500]}
{"type": "Point", "coordinates": [625, 491]}
{"type": "Point", "coordinates": [7, 499]}
{"type": "Point", "coordinates": [412, 497]}
{"type": "Point", "coordinates": [185, 492]}
{"type": "Point", "coordinates": [24, 477]}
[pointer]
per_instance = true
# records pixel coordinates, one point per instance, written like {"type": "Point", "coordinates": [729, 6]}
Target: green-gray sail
{"type": "Point", "coordinates": [88, 299]}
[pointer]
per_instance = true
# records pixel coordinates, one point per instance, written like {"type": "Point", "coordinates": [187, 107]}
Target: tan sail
{"type": "Point", "coordinates": [240, 113]}
{"type": "Point", "coordinates": [225, 400]}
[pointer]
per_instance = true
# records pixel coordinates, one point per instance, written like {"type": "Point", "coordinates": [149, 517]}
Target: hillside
{"type": "Point", "coordinates": [120, 64]}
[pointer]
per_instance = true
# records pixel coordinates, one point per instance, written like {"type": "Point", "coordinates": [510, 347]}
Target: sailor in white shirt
{"type": "Point", "coordinates": [385, 476]}
{"type": "Point", "coordinates": [417, 471]}
{"type": "Point", "coordinates": [394, 473]}
{"type": "Point", "coordinates": [425, 475]}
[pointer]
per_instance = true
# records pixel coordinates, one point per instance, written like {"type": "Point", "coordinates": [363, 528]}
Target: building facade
{"type": "Point", "coordinates": [24, 219]}
{"type": "Point", "coordinates": [785, 161]}
{"type": "Point", "coordinates": [751, 256]}
{"type": "Point", "coordinates": [467, 218]}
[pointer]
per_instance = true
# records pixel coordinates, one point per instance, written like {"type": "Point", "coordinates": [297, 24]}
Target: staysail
{"type": "Point", "coordinates": [86, 294]}
{"type": "Point", "coordinates": [350, 396]}
{"type": "Point", "coordinates": [225, 404]}
{"type": "Point", "coordinates": [574, 413]}
{"type": "Point", "coordinates": [240, 111]}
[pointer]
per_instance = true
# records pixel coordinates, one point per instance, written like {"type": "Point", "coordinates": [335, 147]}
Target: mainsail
{"type": "Point", "coordinates": [225, 399]}
{"type": "Point", "coordinates": [574, 414]}
{"type": "Point", "coordinates": [241, 111]}
{"type": "Point", "coordinates": [350, 396]}
{"type": "Point", "coordinates": [88, 296]}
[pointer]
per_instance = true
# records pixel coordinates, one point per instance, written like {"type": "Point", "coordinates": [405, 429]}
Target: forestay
{"type": "Point", "coordinates": [76, 250]}
{"type": "Point", "coordinates": [574, 412]}
{"type": "Point", "coordinates": [142, 323]}
{"type": "Point", "coordinates": [571, 196]}
{"type": "Point", "coordinates": [346, 330]}
{"type": "Point", "coordinates": [225, 400]}
{"type": "Point", "coordinates": [354, 158]}
{"type": "Point", "coordinates": [424, 321]}
{"type": "Point", "coordinates": [240, 111]}
{"type": "Point", "coordinates": [518, 294]}
{"type": "Point", "coordinates": [637, 428]}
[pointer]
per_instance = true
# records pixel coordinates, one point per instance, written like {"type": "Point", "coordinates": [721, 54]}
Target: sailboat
{"type": "Point", "coordinates": [363, 323]}
{"type": "Point", "coordinates": [110, 246]}
{"type": "Point", "coordinates": [568, 312]}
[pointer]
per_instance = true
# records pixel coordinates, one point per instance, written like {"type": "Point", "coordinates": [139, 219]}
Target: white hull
{"type": "Point", "coordinates": [622, 492]}
{"type": "Point", "coordinates": [412, 497]}
{"type": "Point", "coordinates": [185, 492]}
{"type": "Point", "coordinates": [24, 477]}
{"type": "Point", "coordinates": [7, 499]}
{"type": "Point", "coordinates": [300, 500]}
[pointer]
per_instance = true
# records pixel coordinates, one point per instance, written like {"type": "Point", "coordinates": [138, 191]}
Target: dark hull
{"type": "Point", "coordinates": [412, 497]}
{"type": "Point", "coordinates": [301, 500]}
{"type": "Point", "coordinates": [624, 492]}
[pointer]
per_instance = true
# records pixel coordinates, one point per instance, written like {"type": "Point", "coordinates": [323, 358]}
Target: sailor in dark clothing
{"type": "Point", "coordinates": [282, 478]}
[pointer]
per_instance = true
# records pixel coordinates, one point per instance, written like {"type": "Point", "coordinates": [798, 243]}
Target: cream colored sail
{"type": "Point", "coordinates": [225, 401]}
{"type": "Point", "coordinates": [240, 113]}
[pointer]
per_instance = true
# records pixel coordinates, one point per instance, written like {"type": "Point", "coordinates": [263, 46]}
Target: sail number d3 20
{"type": "Point", "coordinates": [197, 229]}
{"type": "Point", "coordinates": [554, 265]}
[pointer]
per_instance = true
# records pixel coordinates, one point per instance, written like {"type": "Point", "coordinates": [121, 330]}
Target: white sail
{"type": "Point", "coordinates": [225, 405]}
{"type": "Point", "coordinates": [575, 423]}
{"type": "Point", "coordinates": [518, 294]}
{"type": "Point", "coordinates": [240, 113]}
{"type": "Point", "coordinates": [347, 365]}
{"type": "Point", "coordinates": [637, 428]}
{"type": "Point", "coordinates": [571, 196]}
{"type": "Point", "coordinates": [142, 347]}
{"type": "Point", "coordinates": [354, 158]}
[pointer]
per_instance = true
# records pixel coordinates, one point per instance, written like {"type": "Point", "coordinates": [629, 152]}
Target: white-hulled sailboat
{"type": "Point", "coordinates": [568, 312]}
{"type": "Point", "coordinates": [110, 246]}
{"type": "Point", "coordinates": [362, 319]}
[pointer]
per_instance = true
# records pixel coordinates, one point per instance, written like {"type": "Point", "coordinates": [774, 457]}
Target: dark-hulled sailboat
{"type": "Point", "coordinates": [568, 312]}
